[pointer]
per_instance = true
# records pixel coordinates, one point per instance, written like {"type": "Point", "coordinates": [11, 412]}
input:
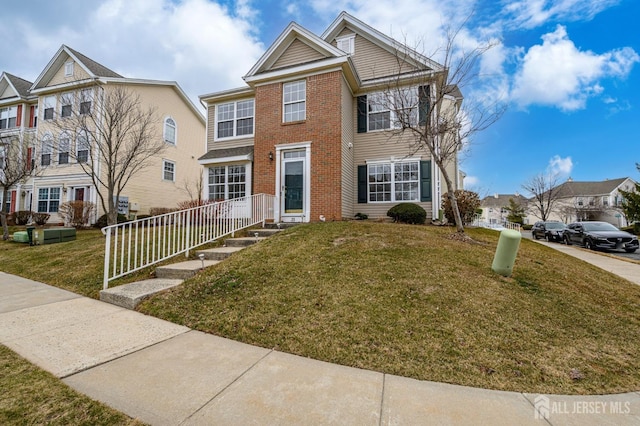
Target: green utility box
{"type": "Point", "coordinates": [21, 237]}
{"type": "Point", "coordinates": [55, 235]}
{"type": "Point", "coordinates": [506, 252]}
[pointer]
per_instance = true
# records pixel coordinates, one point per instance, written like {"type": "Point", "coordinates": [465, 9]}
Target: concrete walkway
{"type": "Point", "coordinates": [166, 374]}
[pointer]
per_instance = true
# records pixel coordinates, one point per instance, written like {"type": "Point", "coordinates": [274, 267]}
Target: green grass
{"type": "Point", "coordinates": [31, 396]}
{"type": "Point", "coordinates": [400, 299]}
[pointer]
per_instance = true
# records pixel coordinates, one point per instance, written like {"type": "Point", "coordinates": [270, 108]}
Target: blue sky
{"type": "Point", "coordinates": [569, 69]}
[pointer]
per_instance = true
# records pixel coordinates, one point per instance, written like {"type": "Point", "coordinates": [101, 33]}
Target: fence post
{"type": "Point", "coordinates": [188, 234]}
{"type": "Point", "coordinates": [107, 253]}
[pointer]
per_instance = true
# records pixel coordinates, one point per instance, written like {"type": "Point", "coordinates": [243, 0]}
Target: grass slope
{"type": "Point", "coordinates": [411, 301]}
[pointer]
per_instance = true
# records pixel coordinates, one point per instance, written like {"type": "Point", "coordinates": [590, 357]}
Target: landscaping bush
{"type": "Point", "coordinates": [41, 218]}
{"type": "Point", "coordinates": [77, 213]}
{"type": "Point", "coordinates": [468, 203]}
{"type": "Point", "coordinates": [22, 217]}
{"type": "Point", "coordinates": [527, 227]}
{"type": "Point", "coordinates": [102, 220]}
{"type": "Point", "coordinates": [156, 211]}
{"type": "Point", "coordinates": [361, 216]}
{"type": "Point", "coordinates": [408, 213]}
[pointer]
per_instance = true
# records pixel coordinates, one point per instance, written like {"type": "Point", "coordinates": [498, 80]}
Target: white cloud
{"type": "Point", "coordinates": [534, 13]}
{"type": "Point", "coordinates": [556, 73]}
{"type": "Point", "coordinates": [560, 166]}
{"type": "Point", "coordinates": [471, 181]}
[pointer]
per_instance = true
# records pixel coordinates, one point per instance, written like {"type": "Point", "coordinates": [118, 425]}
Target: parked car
{"type": "Point", "coordinates": [603, 235]}
{"type": "Point", "coordinates": [551, 230]}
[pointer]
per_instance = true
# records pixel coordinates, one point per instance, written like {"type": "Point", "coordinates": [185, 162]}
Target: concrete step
{"type": "Point", "coordinates": [242, 241]}
{"type": "Point", "coordinates": [183, 270]}
{"type": "Point", "coordinates": [263, 232]}
{"type": "Point", "coordinates": [130, 295]}
{"type": "Point", "coordinates": [218, 253]}
{"type": "Point", "coordinates": [280, 225]}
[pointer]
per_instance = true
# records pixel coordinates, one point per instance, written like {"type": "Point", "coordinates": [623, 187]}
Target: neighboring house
{"type": "Point", "coordinates": [601, 200]}
{"type": "Point", "coordinates": [73, 82]}
{"type": "Point", "coordinates": [18, 120]}
{"type": "Point", "coordinates": [310, 128]}
{"type": "Point", "coordinates": [494, 207]}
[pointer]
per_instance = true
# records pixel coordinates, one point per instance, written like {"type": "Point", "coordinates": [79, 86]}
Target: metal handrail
{"type": "Point", "coordinates": [134, 245]}
{"type": "Point", "coordinates": [478, 222]}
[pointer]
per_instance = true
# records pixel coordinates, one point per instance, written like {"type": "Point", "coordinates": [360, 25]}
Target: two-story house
{"type": "Point", "coordinates": [311, 127]}
{"type": "Point", "coordinates": [591, 200]}
{"type": "Point", "coordinates": [73, 84]}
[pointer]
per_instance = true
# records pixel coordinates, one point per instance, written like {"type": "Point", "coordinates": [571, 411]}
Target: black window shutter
{"type": "Point", "coordinates": [362, 114]}
{"type": "Point", "coordinates": [425, 181]}
{"type": "Point", "coordinates": [362, 184]}
{"type": "Point", "coordinates": [423, 105]}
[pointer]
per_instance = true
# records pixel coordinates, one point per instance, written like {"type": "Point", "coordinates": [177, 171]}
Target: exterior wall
{"type": "Point", "coordinates": [227, 143]}
{"type": "Point", "coordinates": [349, 192]}
{"type": "Point", "coordinates": [376, 146]}
{"type": "Point", "coordinates": [297, 53]}
{"type": "Point", "coordinates": [372, 61]}
{"type": "Point", "coordinates": [147, 188]}
{"type": "Point", "coordinates": [322, 128]}
{"type": "Point", "coordinates": [59, 77]}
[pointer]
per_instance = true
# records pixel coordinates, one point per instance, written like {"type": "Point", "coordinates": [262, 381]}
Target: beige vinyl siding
{"type": "Point", "coordinates": [8, 92]}
{"type": "Point", "coordinates": [59, 78]}
{"type": "Point", "coordinates": [372, 61]}
{"type": "Point", "coordinates": [381, 146]}
{"type": "Point", "coordinates": [147, 188]}
{"type": "Point", "coordinates": [226, 143]}
{"type": "Point", "coordinates": [348, 168]}
{"type": "Point", "coordinates": [297, 53]}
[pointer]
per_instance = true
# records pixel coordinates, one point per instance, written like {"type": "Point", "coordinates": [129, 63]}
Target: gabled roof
{"type": "Point", "coordinates": [19, 85]}
{"type": "Point", "coordinates": [587, 189]}
{"type": "Point", "coordinates": [227, 154]}
{"type": "Point", "coordinates": [289, 35]}
{"type": "Point", "coordinates": [501, 200]}
{"type": "Point", "coordinates": [345, 20]}
{"type": "Point", "coordinates": [91, 67]}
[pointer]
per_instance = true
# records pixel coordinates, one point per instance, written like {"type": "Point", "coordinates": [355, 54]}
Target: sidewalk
{"type": "Point", "coordinates": [166, 374]}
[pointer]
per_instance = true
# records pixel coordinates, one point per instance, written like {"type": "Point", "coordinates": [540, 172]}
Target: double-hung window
{"type": "Point", "coordinates": [46, 150]}
{"type": "Point", "coordinates": [2, 157]}
{"type": "Point", "coordinates": [48, 200]}
{"type": "Point", "coordinates": [82, 147]}
{"type": "Point", "coordinates": [235, 119]}
{"type": "Point", "coordinates": [49, 106]}
{"type": "Point", "coordinates": [396, 109]}
{"type": "Point", "coordinates": [392, 182]}
{"type": "Point", "coordinates": [8, 117]}
{"type": "Point", "coordinates": [168, 170]}
{"type": "Point", "coordinates": [66, 102]}
{"type": "Point", "coordinates": [294, 96]}
{"type": "Point", "coordinates": [227, 182]}
{"type": "Point", "coordinates": [63, 149]}
{"type": "Point", "coordinates": [86, 97]}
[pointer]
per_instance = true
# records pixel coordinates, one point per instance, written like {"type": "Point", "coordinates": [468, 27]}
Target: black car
{"type": "Point", "coordinates": [594, 235]}
{"type": "Point", "coordinates": [551, 230]}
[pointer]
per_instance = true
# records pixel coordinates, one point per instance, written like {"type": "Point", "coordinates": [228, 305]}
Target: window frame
{"type": "Point", "coordinates": [49, 200]}
{"type": "Point", "coordinates": [49, 103]}
{"type": "Point", "coordinates": [64, 150]}
{"type": "Point", "coordinates": [165, 170]}
{"type": "Point", "coordinates": [68, 69]}
{"type": "Point", "coordinates": [235, 119]}
{"type": "Point", "coordinates": [294, 101]}
{"type": "Point", "coordinates": [86, 101]}
{"type": "Point", "coordinates": [6, 112]}
{"type": "Point", "coordinates": [226, 184]}
{"type": "Point", "coordinates": [46, 148]}
{"type": "Point", "coordinates": [172, 126]}
{"type": "Point", "coordinates": [66, 104]}
{"type": "Point", "coordinates": [393, 182]}
{"type": "Point", "coordinates": [82, 140]}
{"type": "Point", "coordinates": [410, 93]}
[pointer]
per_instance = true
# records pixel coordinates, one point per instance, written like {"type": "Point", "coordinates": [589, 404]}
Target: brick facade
{"type": "Point", "coordinates": [322, 127]}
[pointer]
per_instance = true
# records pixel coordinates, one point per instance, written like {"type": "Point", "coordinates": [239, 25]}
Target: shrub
{"type": "Point", "coordinates": [361, 216]}
{"type": "Point", "coordinates": [102, 220]}
{"type": "Point", "coordinates": [22, 217]}
{"type": "Point", "coordinates": [407, 213]}
{"type": "Point", "coordinates": [77, 213]}
{"type": "Point", "coordinates": [468, 203]}
{"type": "Point", "coordinates": [41, 218]}
{"type": "Point", "coordinates": [156, 211]}
{"type": "Point", "coordinates": [527, 227]}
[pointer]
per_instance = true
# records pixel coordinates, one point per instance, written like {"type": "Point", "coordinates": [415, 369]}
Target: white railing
{"type": "Point", "coordinates": [478, 222]}
{"type": "Point", "coordinates": [135, 245]}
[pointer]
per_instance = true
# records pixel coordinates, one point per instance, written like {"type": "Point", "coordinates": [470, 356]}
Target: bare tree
{"type": "Point", "coordinates": [194, 188]}
{"type": "Point", "coordinates": [115, 137]}
{"type": "Point", "coordinates": [15, 167]}
{"type": "Point", "coordinates": [545, 192]}
{"type": "Point", "coordinates": [433, 116]}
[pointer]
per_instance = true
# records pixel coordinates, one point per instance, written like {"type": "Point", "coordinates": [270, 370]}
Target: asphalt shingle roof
{"type": "Point", "coordinates": [228, 152]}
{"type": "Point", "coordinates": [21, 85]}
{"type": "Point", "coordinates": [96, 68]}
